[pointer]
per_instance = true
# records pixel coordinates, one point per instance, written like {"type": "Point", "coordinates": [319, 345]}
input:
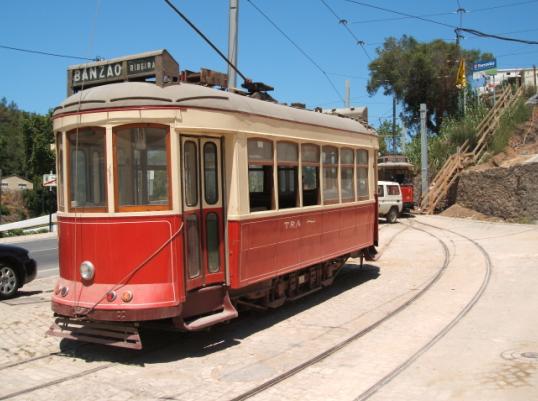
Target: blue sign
{"type": "Point", "coordinates": [485, 65]}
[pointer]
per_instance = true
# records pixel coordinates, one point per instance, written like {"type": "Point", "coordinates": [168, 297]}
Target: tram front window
{"type": "Point", "coordinates": [87, 169]}
{"type": "Point", "coordinates": [141, 156]}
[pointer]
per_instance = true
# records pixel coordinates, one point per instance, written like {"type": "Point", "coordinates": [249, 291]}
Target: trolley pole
{"type": "Point", "coordinates": [232, 43]}
{"type": "Point", "coordinates": [423, 149]}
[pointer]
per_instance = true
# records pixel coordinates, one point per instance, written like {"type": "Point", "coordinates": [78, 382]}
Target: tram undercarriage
{"type": "Point", "coordinates": [206, 307]}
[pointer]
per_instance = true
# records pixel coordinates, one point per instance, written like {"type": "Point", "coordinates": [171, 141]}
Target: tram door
{"type": "Point", "coordinates": [203, 215]}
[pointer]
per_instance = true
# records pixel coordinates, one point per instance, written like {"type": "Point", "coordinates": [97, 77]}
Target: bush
{"type": "Point", "coordinates": [518, 114]}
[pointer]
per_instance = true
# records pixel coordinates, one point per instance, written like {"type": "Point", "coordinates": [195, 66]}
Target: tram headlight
{"type": "Point", "coordinates": [87, 270]}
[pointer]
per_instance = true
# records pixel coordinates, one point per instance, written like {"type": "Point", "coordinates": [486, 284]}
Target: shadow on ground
{"type": "Point", "coordinates": [165, 346]}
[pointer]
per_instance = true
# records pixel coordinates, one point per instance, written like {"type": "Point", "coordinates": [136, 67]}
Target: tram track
{"type": "Point", "coordinates": [334, 349]}
{"type": "Point", "coordinates": [312, 361]}
{"type": "Point", "coordinates": [372, 390]}
{"type": "Point", "coordinates": [126, 359]}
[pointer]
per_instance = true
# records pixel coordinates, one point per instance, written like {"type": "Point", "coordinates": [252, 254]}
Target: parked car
{"type": "Point", "coordinates": [16, 269]}
{"type": "Point", "coordinates": [390, 200]}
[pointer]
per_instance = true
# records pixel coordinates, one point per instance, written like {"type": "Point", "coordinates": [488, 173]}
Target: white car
{"type": "Point", "coordinates": [390, 200]}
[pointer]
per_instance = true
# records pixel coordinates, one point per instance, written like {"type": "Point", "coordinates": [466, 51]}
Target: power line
{"type": "Point", "coordinates": [477, 10]}
{"type": "Point", "coordinates": [493, 36]}
{"type": "Point", "coordinates": [205, 38]}
{"type": "Point", "coordinates": [368, 21]}
{"type": "Point", "coordinates": [360, 3]}
{"type": "Point", "coordinates": [43, 53]}
{"type": "Point", "coordinates": [456, 29]}
{"type": "Point", "coordinates": [309, 58]}
{"type": "Point", "coordinates": [344, 22]}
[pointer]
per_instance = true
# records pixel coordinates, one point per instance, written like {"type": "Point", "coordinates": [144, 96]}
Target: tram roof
{"type": "Point", "coordinates": [137, 94]}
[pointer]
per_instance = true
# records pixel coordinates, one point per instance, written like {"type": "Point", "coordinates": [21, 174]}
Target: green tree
{"type": "Point", "coordinates": [417, 73]}
{"type": "Point", "coordinates": [11, 141]}
{"type": "Point", "coordinates": [384, 131]}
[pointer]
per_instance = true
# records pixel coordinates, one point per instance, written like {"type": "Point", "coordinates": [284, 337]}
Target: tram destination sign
{"type": "Point", "coordinates": [159, 65]}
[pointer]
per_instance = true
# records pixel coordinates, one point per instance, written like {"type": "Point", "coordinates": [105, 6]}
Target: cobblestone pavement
{"type": "Point", "coordinates": [481, 358]}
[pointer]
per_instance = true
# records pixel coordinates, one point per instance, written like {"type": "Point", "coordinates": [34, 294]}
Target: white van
{"type": "Point", "coordinates": [390, 200]}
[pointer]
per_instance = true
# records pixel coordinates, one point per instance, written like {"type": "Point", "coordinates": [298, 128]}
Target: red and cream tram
{"type": "Point", "coordinates": [397, 168]}
{"type": "Point", "coordinates": [181, 203]}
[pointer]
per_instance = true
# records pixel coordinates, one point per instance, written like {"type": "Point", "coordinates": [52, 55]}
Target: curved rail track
{"type": "Point", "coordinates": [131, 358]}
{"type": "Point", "coordinates": [325, 354]}
{"type": "Point", "coordinates": [478, 294]}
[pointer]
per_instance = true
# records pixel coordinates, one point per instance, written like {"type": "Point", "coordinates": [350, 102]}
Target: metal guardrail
{"type": "Point", "coordinates": [42, 221]}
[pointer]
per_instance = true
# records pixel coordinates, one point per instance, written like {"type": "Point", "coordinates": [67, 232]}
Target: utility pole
{"type": "Point", "coordinates": [423, 150]}
{"type": "Point", "coordinates": [347, 101]}
{"type": "Point", "coordinates": [534, 75]}
{"type": "Point", "coordinates": [393, 124]}
{"type": "Point", "coordinates": [232, 43]}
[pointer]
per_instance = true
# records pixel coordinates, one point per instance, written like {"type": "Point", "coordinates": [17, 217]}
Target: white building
{"type": "Point", "coordinates": [15, 183]}
{"type": "Point", "coordinates": [528, 76]}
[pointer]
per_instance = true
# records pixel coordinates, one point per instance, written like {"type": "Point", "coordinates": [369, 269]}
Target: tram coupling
{"type": "Point", "coordinates": [123, 335]}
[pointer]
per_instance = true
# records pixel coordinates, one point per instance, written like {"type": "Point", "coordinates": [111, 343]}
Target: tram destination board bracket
{"type": "Point", "coordinates": [155, 66]}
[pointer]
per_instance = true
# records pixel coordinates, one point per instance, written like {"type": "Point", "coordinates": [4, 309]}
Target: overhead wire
{"type": "Point", "coordinates": [455, 28]}
{"type": "Point", "coordinates": [445, 13]}
{"type": "Point", "coordinates": [304, 53]}
{"type": "Point", "coordinates": [205, 38]}
{"type": "Point", "coordinates": [344, 23]}
{"type": "Point", "coordinates": [45, 53]}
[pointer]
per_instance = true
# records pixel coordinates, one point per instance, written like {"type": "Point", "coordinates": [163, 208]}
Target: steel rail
{"type": "Point", "coordinates": [323, 355]}
{"type": "Point", "coordinates": [478, 294]}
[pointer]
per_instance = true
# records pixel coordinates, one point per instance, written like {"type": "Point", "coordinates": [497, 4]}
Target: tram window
{"type": "Point", "coordinates": [330, 175]}
{"type": "Point", "coordinates": [212, 239]}
{"type": "Point", "coordinates": [60, 170]}
{"type": "Point", "coordinates": [310, 172]}
{"type": "Point", "coordinates": [288, 166]}
{"type": "Point", "coordinates": [211, 183]}
{"type": "Point", "coordinates": [142, 168]}
{"type": "Point", "coordinates": [87, 169]}
{"type": "Point", "coordinates": [192, 251]}
{"type": "Point", "coordinates": [346, 175]}
{"type": "Point", "coordinates": [190, 170]}
{"type": "Point", "coordinates": [260, 174]}
{"type": "Point", "coordinates": [362, 174]}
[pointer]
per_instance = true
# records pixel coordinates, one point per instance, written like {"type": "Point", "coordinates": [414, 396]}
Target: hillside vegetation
{"type": "Point", "coordinates": [25, 140]}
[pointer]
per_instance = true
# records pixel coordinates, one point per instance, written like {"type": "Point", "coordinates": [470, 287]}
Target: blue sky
{"type": "Point", "coordinates": [113, 28]}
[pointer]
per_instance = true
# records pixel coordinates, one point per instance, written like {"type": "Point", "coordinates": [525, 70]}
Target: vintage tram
{"type": "Point", "coordinates": [178, 204]}
{"type": "Point", "coordinates": [398, 169]}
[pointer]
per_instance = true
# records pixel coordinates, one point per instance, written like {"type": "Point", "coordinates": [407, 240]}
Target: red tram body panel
{"type": "Point", "coordinates": [270, 247]}
{"type": "Point", "coordinates": [180, 204]}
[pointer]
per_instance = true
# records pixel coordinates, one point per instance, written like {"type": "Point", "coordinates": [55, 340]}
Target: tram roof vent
{"type": "Point", "coordinates": [156, 66]}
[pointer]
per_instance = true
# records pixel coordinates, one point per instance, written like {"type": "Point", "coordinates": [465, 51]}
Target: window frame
{"type": "Point", "coordinates": [359, 166]}
{"type": "Point", "coordinates": [353, 179]}
{"type": "Point", "coordinates": [69, 207]}
{"type": "Point", "coordinates": [287, 163]}
{"type": "Point", "coordinates": [59, 141]}
{"type": "Point", "coordinates": [324, 165]}
{"type": "Point", "coordinates": [267, 162]}
{"type": "Point", "coordinates": [140, 208]}
{"type": "Point", "coordinates": [319, 173]}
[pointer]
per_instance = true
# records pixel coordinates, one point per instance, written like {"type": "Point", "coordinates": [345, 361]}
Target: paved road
{"type": "Point", "coordinates": [465, 328]}
{"type": "Point", "coordinates": [45, 252]}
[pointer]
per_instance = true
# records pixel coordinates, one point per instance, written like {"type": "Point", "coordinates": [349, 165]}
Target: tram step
{"type": "Point", "coordinates": [116, 335]}
{"type": "Point", "coordinates": [199, 323]}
